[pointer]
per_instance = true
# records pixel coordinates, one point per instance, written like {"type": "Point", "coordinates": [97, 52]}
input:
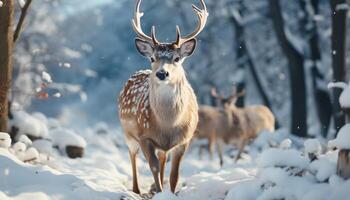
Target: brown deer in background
{"type": "Point", "coordinates": [157, 108]}
{"type": "Point", "coordinates": [239, 126]}
{"type": "Point", "coordinates": [209, 117]}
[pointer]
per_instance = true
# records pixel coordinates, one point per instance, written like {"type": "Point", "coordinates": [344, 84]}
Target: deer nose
{"type": "Point", "coordinates": [162, 74]}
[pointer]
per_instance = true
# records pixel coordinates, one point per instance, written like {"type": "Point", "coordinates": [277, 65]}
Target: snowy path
{"type": "Point", "coordinates": [282, 172]}
{"type": "Point", "coordinates": [105, 173]}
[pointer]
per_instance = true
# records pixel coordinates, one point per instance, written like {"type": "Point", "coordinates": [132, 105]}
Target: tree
{"type": "Point", "coordinates": [296, 71]}
{"type": "Point", "coordinates": [7, 39]}
{"type": "Point", "coordinates": [339, 22]}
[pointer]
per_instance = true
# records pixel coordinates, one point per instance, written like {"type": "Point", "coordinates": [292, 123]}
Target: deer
{"type": "Point", "coordinates": [206, 129]}
{"type": "Point", "coordinates": [158, 109]}
{"type": "Point", "coordinates": [239, 126]}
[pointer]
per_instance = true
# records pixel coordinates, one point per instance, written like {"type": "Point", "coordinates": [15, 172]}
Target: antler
{"type": "Point", "coordinates": [234, 92]}
{"type": "Point", "coordinates": [136, 25]}
{"type": "Point", "coordinates": [202, 16]}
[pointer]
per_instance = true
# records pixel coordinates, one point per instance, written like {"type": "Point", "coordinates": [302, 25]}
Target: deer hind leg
{"type": "Point", "coordinates": [212, 142]}
{"type": "Point", "coordinates": [149, 151]}
{"type": "Point", "coordinates": [133, 150]}
{"type": "Point", "coordinates": [162, 156]}
{"type": "Point", "coordinates": [175, 164]}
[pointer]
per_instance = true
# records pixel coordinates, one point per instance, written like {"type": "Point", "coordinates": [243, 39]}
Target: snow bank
{"type": "Point", "coordinates": [343, 138]}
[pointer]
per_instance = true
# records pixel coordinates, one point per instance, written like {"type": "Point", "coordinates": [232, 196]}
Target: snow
{"type": "Point", "coordinates": [5, 140]}
{"type": "Point", "coordinates": [325, 166]}
{"type": "Point", "coordinates": [342, 6]}
{"type": "Point", "coordinates": [21, 3]}
{"type": "Point", "coordinates": [312, 146]}
{"type": "Point", "coordinates": [273, 165]}
{"type": "Point", "coordinates": [343, 138]}
{"type": "Point", "coordinates": [344, 98]}
{"type": "Point", "coordinates": [46, 77]}
{"type": "Point", "coordinates": [57, 95]}
{"type": "Point", "coordinates": [24, 139]}
{"type": "Point", "coordinates": [43, 146]}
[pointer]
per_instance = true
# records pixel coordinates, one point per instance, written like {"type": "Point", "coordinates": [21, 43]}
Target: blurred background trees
{"type": "Point", "coordinates": [282, 53]}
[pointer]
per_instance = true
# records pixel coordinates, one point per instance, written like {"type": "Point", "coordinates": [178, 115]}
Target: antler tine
{"type": "Point", "coordinates": [234, 90]}
{"type": "Point", "coordinates": [202, 17]}
{"type": "Point", "coordinates": [153, 35]}
{"type": "Point", "coordinates": [215, 94]}
{"type": "Point", "coordinates": [136, 23]}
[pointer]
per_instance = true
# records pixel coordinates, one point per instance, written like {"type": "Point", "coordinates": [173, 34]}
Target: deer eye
{"type": "Point", "coordinates": [152, 59]}
{"type": "Point", "coordinates": [177, 59]}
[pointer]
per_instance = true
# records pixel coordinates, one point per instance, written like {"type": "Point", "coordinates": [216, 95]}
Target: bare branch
{"type": "Point", "coordinates": [24, 10]}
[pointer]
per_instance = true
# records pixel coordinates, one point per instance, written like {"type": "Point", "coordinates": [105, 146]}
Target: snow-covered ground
{"type": "Point", "coordinates": [273, 167]}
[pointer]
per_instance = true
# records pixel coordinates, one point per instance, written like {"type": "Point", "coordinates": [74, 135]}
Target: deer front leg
{"type": "Point", "coordinates": [135, 185]}
{"type": "Point", "coordinates": [162, 156]}
{"type": "Point", "coordinates": [175, 164]}
{"type": "Point", "coordinates": [149, 151]}
{"type": "Point", "coordinates": [242, 144]}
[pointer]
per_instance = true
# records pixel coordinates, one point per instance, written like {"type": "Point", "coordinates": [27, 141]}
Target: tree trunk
{"type": "Point", "coordinates": [6, 46]}
{"type": "Point", "coordinates": [339, 22]}
{"type": "Point", "coordinates": [321, 94]}
{"type": "Point", "coordinates": [245, 60]}
{"type": "Point", "coordinates": [296, 72]}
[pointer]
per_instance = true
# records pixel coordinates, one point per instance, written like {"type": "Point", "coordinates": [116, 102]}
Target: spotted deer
{"type": "Point", "coordinates": [239, 126]}
{"type": "Point", "coordinates": [158, 109]}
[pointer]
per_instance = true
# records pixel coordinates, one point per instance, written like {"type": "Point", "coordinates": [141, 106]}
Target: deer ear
{"type": "Point", "coordinates": [144, 47]}
{"type": "Point", "coordinates": [188, 47]}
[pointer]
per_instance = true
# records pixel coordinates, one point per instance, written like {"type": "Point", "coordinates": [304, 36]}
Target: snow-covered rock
{"type": "Point", "coordinates": [69, 142]}
{"type": "Point", "coordinates": [282, 158]}
{"type": "Point", "coordinates": [29, 125]}
{"type": "Point", "coordinates": [343, 138]}
{"type": "Point", "coordinates": [64, 137]}
{"type": "Point", "coordinates": [5, 140]}
{"type": "Point", "coordinates": [312, 146]}
{"type": "Point", "coordinates": [325, 166]}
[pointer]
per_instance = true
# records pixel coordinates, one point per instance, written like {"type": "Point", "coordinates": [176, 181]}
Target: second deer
{"type": "Point", "coordinates": [239, 126]}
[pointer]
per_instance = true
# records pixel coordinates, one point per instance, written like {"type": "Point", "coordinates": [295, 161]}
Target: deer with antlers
{"type": "Point", "coordinates": [158, 109]}
{"type": "Point", "coordinates": [239, 126]}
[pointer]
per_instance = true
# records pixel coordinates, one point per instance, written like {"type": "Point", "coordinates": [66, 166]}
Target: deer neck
{"type": "Point", "coordinates": [168, 101]}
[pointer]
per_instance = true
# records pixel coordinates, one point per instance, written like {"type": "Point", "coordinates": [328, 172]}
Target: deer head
{"type": "Point", "coordinates": [167, 58]}
{"type": "Point", "coordinates": [229, 101]}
